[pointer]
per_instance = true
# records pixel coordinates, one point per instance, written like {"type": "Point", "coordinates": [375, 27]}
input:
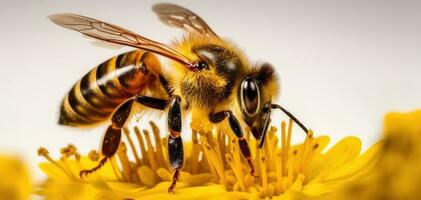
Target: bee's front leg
{"type": "Point", "coordinates": [175, 144]}
{"type": "Point", "coordinates": [236, 128]}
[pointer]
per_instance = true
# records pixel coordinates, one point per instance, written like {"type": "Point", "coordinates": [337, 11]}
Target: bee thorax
{"type": "Point", "coordinates": [205, 89]}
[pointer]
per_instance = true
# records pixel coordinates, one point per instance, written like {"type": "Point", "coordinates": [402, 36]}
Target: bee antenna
{"type": "Point", "coordinates": [291, 116]}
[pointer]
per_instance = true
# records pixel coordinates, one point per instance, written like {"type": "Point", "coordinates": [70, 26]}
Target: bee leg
{"type": "Point", "coordinates": [165, 85]}
{"type": "Point", "coordinates": [236, 128]}
{"type": "Point", "coordinates": [112, 136]}
{"type": "Point", "coordinates": [175, 144]}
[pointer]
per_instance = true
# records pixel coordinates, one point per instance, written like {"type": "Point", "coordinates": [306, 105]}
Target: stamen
{"type": "Point", "coordinates": [214, 157]}
{"type": "Point", "coordinates": [79, 164]}
{"type": "Point", "coordinates": [257, 158]}
{"type": "Point", "coordinates": [144, 160]}
{"type": "Point", "coordinates": [214, 161]}
{"type": "Point", "coordinates": [158, 145]}
{"type": "Point", "coordinates": [278, 160]}
{"type": "Point", "coordinates": [248, 134]}
{"type": "Point", "coordinates": [164, 142]}
{"type": "Point", "coordinates": [68, 151]}
{"type": "Point", "coordinates": [264, 174]}
{"type": "Point", "coordinates": [237, 172]}
{"type": "Point", "coordinates": [66, 166]}
{"type": "Point", "coordinates": [284, 149]}
{"type": "Point", "coordinates": [290, 124]}
{"type": "Point", "coordinates": [77, 157]}
{"type": "Point", "coordinates": [220, 146]}
{"type": "Point", "coordinates": [124, 160]}
{"type": "Point", "coordinates": [151, 155]}
{"type": "Point", "coordinates": [44, 153]}
{"type": "Point", "coordinates": [116, 170]}
{"type": "Point", "coordinates": [93, 155]}
{"type": "Point", "coordinates": [307, 152]}
{"type": "Point", "coordinates": [271, 147]}
{"type": "Point", "coordinates": [290, 176]}
{"type": "Point", "coordinates": [131, 144]}
{"type": "Point", "coordinates": [195, 153]}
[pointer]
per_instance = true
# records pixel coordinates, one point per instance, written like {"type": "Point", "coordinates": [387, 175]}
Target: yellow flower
{"type": "Point", "coordinates": [213, 168]}
{"type": "Point", "coordinates": [14, 179]}
{"type": "Point", "coordinates": [397, 174]}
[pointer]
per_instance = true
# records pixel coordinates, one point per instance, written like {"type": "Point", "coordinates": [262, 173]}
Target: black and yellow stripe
{"type": "Point", "coordinates": [100, 91]}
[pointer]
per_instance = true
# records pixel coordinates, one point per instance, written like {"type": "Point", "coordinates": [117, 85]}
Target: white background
{"type": "Point", "coordinates": [343, 64]}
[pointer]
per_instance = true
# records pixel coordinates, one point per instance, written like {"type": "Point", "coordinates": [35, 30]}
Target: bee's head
{"type": "Point", "coordinates": [255, 94]}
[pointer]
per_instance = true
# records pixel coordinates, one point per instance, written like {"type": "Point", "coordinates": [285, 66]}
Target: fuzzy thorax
{"type": "Point", "coordinates": [213, 86]}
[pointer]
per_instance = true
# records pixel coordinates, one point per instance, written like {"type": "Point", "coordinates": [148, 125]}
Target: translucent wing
{"type": "Point", "coordinates": [103, 44]}
{"type": "Point", "coordinates": [179, 17]}
{"type": "Point", "coordinates": [117, 35]}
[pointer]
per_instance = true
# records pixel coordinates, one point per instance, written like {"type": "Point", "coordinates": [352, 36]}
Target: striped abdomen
{"type": "Point", "coordinates": [99, 92]}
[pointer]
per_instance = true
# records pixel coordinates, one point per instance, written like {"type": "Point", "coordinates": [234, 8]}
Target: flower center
{"type": "Point", "coordinates": [211, 157]}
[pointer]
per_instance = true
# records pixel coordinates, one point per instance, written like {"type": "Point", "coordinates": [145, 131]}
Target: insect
{"type": "Point", "coordinates": [207, 76]}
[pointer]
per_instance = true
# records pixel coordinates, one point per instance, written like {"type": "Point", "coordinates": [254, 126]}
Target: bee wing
{"type": "Point", "coordinates": [103, 44]}
{"type": "Point", "coordinates": [114, 34]}
{"type": "Point", "coordinates": [179, 17]}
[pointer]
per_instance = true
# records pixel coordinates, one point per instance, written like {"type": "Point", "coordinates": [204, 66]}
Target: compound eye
{"type": "Point", "coordinates": [250, 96]}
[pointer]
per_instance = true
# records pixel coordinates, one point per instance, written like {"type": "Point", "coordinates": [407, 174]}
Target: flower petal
{"type": "Point", "coordinates": [202, 192]}
{"type": "Point", "coordinates": [357, 167]}
{"type": "Point", "coordinates": [53, 172]}
{"type": "Point", "coordinates": [344, 151]}
{"type": "Point", "coordinates": [14, 182]}
{"type": "Point", "coordinates": [316, 189]}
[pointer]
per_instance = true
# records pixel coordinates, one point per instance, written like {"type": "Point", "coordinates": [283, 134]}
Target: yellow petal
{"type": "Point", "coordinates": [14, 179]}
{"type": "Point", "coordinates": [122, 189]}
{"type": "Point", "coordinates": [344, 151]}
{"type": "Point", "coordinates": [201, 192]}
{"type": "Point", "coordinates": [74, 167]}
{"type": "Point", "coordinates": [298, 183]}
{"type": "Point", "coordinates": [316, 189]}
{"type": "Point", "coordinates": [161, 187]}
{"type": "Point", "coordinates": [230, 195]}
{"type": "Point", "coordinates": [59, 189]}
{"type": "Point", "coordinates": [198, 179]}
{"type": "Point", "coordinates": [402, 123]}
{"type": "Point", "coordinates": [53, 172]}
{"type": "Point", "coordinates": [357, 167]}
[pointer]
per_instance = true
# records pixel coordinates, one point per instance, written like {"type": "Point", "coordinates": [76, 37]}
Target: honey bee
{"type": "Point", "coordinates": [207, 75]}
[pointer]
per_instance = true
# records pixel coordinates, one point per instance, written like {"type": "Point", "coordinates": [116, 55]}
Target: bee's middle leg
{"type": "Point", "coordinates": [112, 136]}
{"type": "Point", "coordinates": [175, 144]}
{"type": "Point", "coordinates": [236, 128]}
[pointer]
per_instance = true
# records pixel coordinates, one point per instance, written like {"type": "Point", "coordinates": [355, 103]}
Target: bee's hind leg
{"type": "Point", "coordinates": [236, 128]}
{"type": "Point", "coordinates": [112, 136]}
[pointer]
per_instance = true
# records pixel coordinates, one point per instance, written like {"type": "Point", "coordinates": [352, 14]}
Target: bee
{"type": "Point", "coordinates": [207, 76]}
